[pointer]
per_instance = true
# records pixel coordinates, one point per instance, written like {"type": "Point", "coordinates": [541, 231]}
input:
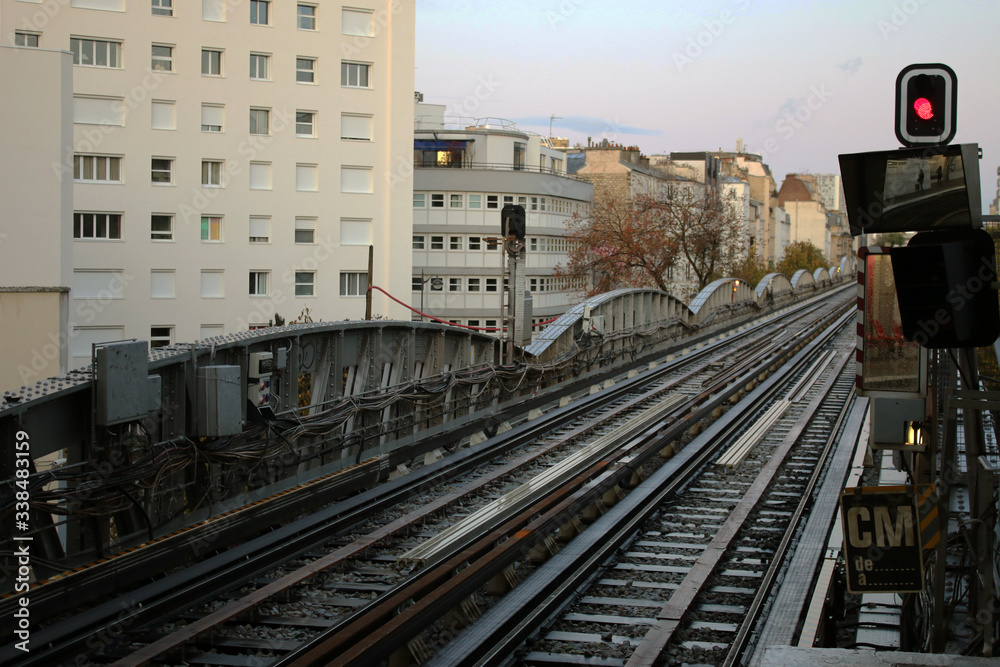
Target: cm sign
{"type": "Point", "coordinates": [882, 543]}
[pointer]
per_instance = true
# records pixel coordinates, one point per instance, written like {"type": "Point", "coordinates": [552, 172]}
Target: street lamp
{"type": "Point", "coordinates": [436, 285]}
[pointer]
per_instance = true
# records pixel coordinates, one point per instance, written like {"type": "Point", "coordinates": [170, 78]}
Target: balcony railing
{"type": "Point", "coordinates": [495, 166]}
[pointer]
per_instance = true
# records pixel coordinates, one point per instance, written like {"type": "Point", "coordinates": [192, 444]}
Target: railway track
{"type": "Point", "coordinates": [322, 585]}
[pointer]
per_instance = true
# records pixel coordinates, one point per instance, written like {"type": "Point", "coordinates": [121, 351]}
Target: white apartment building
{"type": "Point", "coordinates": [232, 161]}
{"type": "Point", "coordinates": [465, 171]}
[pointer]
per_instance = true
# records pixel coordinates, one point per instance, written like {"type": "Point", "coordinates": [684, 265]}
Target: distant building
{"type": "Point", "coordinates": [810, 219]}
{"type": "Point", "coordinates": [465, 171]}
{"type": "Point", "coordinates": [831, 191]}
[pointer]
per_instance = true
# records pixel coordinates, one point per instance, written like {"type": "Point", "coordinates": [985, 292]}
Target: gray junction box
{"type": "Point", "coordinates": [220, 401]}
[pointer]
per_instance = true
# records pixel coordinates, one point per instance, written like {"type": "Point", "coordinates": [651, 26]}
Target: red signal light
{"type": "Point", "coordinates": [924, 108]}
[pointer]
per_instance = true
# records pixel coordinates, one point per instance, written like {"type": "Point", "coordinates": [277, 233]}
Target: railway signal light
{"type": "Point", "coordinates": [926, 104]}
{"type": "Point", "coordinates": [512, 222]}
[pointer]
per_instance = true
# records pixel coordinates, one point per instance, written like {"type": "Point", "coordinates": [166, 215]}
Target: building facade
{"type": "Point", "coordinates": [465, 171]}
{"type": "Point", "coordinates": [231, 163]}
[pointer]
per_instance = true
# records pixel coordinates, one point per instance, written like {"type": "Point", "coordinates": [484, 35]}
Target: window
{"type": "Point", "coordinates": [491, 201]}
{"type": "Point", "coordinates": [454, 284]}
{"type": "Point", "coordinates": [305, 283]}
{"type": "Point", "coordinates": [437, 243]}
{"type": "Point", "coordinates": [163, 7]}
{"type": "Point", "coordinates": [212, 117]}
{"type": "Point", "coordinates": [356, 179]}
{"type": "Point", "coordinates": [25, 38]}
{"type": "Point", "coordinates": [521, 200]}
{"type": "Point", "coordinates": [160, 337]}
{"type": "Point", "coordinates": [161, 227]}
{"type": "Point", "coordinates": [473, 323]}
{"type": "Point", "coordinates": [98, 110]}
{"type": "Point", "coordinates": [490, 324]}
{"type": "Point", "coordinates": [164, 116]}
{"type": "Point", "coordinates": [455, 243]}
{"type": "Point", "coordinates": [305, 230]}
{"type": "Point", "coordinates": [258, 282]}
{"type": "Point", "coordinates": [437, 201]}
{"type": "Point", "coordinates": [211, 229]}
{"type": "Point", "coordinates": [211, 330]}
{"type": "Point", "coordinates": [418, 241]}
{"type": "Point", "coordinates": [162, 170]}
{"type": "Point", "coordinates": [491, 286]}
{"type": "Point", "coordinates": [260, 175]}
{"type": "Point", "coordinates": [475, 201]}
{"type": "Point", "coordinates": [161, 284]}
{"type": "Point", "coordinates": [307, 17]}
{"type": "Point", "coordinates": [260, 229]}
{"type": "Point", "coordinates": [163, 58]}
{"type": "Point", "coordinates": [259, 66]}
{"type": "Point", "coordinates": [455, 201]}
{"type": "Point", "coordinates": [213, 10]}
{"type": "Point", "coordinates": [259, 12]}
{"type": "Point", "coordinates": [260, 121]}
{"type": "Point", "coordinates": [353, 284]}
{"type": "Point", "coordinates": [508, 199]}
{"type": "Point", "coordinates": [305, 70]}
{"type": "Point", "coordinates": [97, 226]}
{"type": "Point", "coordinates": [474, 284]}
{"type": "Point", "coordinates": [305, 124]}
{"type": "Point", "coordinates": [211, 173]}
{"type": "Point", "coordinates": [533, 244]}
{"type": "Point", "coordinates": [98, 284]}
{"type": "Point", "coordinates": [354, 75]}
{"type": "Point", "coordinates": [416, 284]}
{"type": "Point", "coordinates": [211, 62]}
{"type": "Point", "coordinates": [306, 179]}
{"type": "Point", "coordinates": [96, 52]}
{"type": "Point", "coordinates": [355, 231]}
{"type": "Point", "coordinates": [475, 243]}
{"type": "Point", "coordinates": [419, 200]}
{"type": "Point", "coordinates": [212, 284]}
{"type": "Point", "coordinates": [356, 22]}
{"type": "Point", "coordinates": [356, 127]}
{"type": "Point", "coordinates": [534, 203]}
{"type": "Point", "coordinates": [84, 337]}
{"type": "Point", "coordinates": [97, 169]}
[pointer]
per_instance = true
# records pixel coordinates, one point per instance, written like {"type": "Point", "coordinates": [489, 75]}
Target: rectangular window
{"type": "Point", "coordinates": [98, 284]}
{"type": "Point", "coordinates": [160, 337]}
{"type": "Point", "coordinates": [305, 230]}
{"type": "Point", "coordinates": [454, 284]}
{"type": "Point", "coordinates": [258, 282]}
{"type": "Point", "coordinates": [96, 52]}
{"type": "Point", "coordinates": [305, 124]}
{"type": "Point", "coordinates": [491, 201]}
{"type": "Point", "coordinates": [260, 66]}
{"type": "Point", "coordinates": [353, 283]}
{"type": "Point", "coordinates": [475, 243]}
{"type": "Point", "coordinates": [211, 173]}
{"type": "Point", "coordinates": [437, 243]}
{"type": "Point", "coordinates": [508, 199]}
{"type": "Point", "coordinates": [84, 337]}
{"type": "Point", "coordinates": [25, 38]}
{"type": "Point", "coordinates": [356, 179]}
{"type": "Point", "coordinates": [533, 244]}
{"type": "Point", "coordinates": [475, 201]}
{"type": "Point", "coordinates": [97, 226]}
{"type": "Point", "coordinates": [211, 229]}
{"type": "Point", "coordinates": [211, 330]}
{"type": "Point", "coordinates": [161, 227]}
{"type": "Point", "coordinates": [97, 169]}
{"type": "Point", "coordinates": [455, 243]}
{"type": "Point", "coordinates": [164, 115]}
{"type": "Point", "coordinates": [162, 170]}
{"type": "Point", "coordinates": [163, 7]}
{"type": "Point", "coordinates": [161, 284]}
{"type": "Point", "coordinates": [306, 17]}
{"type": "Point", "coordinates": [260, 175]}
{"type": "Point", "coordinates": [98, 110]}
{"type": "Point", "coordinates": [491, 285]}
{"type": "Point", "coordinates": [211, 117]}
{"type": "Point", "coordinates": [437, 201]}
{"type": "Point", "coordinates": [211, 62]}
{"type": "Point", "coordinates": [355, 75]}
{"type": "Point", "coordinates": [213, 10]}
{"type": "Point", "coordinates": [259, 12]}
{"type": "Point", "coordinates": [418, 241]}
{"type": "Point", "coordinates": [521, 200]}
{"type": "Point", "coordinates": [306, 179]}
{"type": "Point", "coordinates": [541, 204]}
{"type": "Point", "coordinates": [305, 283]}
{"type": "Point", "coordinates": [455, 201]}
{"type": "Point", "coordinates": [419, 200]}
{"type": "Point", "coordinates": [534, 203]}
{"type": "Point", "coordinates": [162, 58]}
{"type": "Point", "coordinates": [356, 127]}
{"type": "Point", "coordinates": [260, 229]}
{"type": "Point", "coordinates": [357, 22]}
{"type": "Point", "coordinates": [260, 121]}
{"type": "Point", "coordinates": [212, 284]}
{"type": "Point", "coordinates": [416, 284]}
{"type": "Point", "coordinates": [473, 323]}
{"type": "Point", "coordinates": [305, 70]}
{"type": "Point", "coordinates": [474, 284]}
{"type": "Point", "coordinates": [355, 231]}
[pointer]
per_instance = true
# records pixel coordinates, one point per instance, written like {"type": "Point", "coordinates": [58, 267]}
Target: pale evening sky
{"type": "Point", "coordinates": [799, 81]}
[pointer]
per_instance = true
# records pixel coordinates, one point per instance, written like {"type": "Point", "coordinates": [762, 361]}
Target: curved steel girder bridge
{"type": "Point", "coordinates": [369, 395]}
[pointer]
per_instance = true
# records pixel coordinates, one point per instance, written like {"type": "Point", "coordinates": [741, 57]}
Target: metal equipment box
{"type": "Point", "coordinates": [121, 387]}
{"type": "Point", "coordinates": [220, 401]}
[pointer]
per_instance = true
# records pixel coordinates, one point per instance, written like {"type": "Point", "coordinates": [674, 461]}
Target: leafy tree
{"type": "Point", "coordinates": [802, 255]}
{"type": "Point", "coordinates": [889, 239]}
{"type": "Point", "coordinates": [751, 268]}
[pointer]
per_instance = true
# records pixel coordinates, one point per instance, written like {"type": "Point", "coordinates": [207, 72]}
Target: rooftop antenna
{"type": "Point", "coordinates": [552, 118]}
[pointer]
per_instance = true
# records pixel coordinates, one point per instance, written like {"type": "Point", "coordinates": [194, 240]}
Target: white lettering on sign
{"type": "Point", "coordinates": [887, 532]}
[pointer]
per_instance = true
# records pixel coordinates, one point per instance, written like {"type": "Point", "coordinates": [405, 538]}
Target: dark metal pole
{"type": "Point", "coordinates": [368, 292]}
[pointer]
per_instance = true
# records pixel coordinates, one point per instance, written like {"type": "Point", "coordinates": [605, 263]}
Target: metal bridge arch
{"type": "Point", "coordinates": [719, 296]}
{"type": "Point", "coordinates": [802, 279]}
{"type": "Point", "coordinates": [777, 286]}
